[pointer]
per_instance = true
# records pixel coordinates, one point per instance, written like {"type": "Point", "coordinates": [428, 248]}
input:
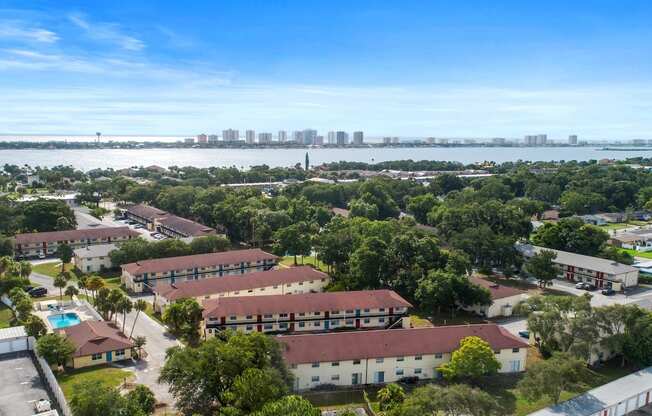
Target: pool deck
{"type": "Point", "coordinates": [80, 309]}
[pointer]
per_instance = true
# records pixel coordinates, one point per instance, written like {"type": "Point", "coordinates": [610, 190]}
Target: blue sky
{"type": "Point", "coordinates": [408, 68]}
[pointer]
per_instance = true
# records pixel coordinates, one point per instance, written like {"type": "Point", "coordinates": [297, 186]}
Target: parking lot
{"type": "Point", "coordinates": [20, 385]}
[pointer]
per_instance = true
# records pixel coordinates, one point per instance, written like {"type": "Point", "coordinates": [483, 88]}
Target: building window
{"type": "Point", "coordinates": [418, 358]}
{"type": "Point", "coordinates": [315, 365]}
{"type": "Point", "coordinates": [302, 324]}
{"type": "Point", "coordinates": [302, 314]}
{"type": "Point", "coordinates": [335, 322]}
{"type": "Point", "coordinates": [317, 324]}
{"type": "Point", "coordinates": [367, 320]}
{"type": "Point", "coordinates": [381, 320]}
{"type": "Point", "coordinates": [96, 356]}
{"type": "Point", "coordinates": [267, 316]}
{"type": "Point", "coordinates": [400, 359]}
{"type": "Point", "coordinates": [515, 366]}
{"type": "Point", "coordinates": [516, 349]}
{"type": "Point", "coordinates": [232, 318]}
{"type": "Point", "coordinates": [438, 355]}
{"type": "Point", "coordinates": [283, 325]}
{"type": "Point", "coordinates": [366, 310]}
{"type": "Point", "coordinates": [399, 371]}
{"type": "Point", "coordinates": [250, 328]}
{"type": "Point", "coordinates": [417, 371]}
{"type": "Point", "coordinates": [381, 310]}
{"type": "Point", "coordinates": [349, 321]}
{"type": "Point", "coordinates": [268, 326]}
{"type": "Point", "coordinates": [356, 362]}
{"type": "Point", "coordinates": [379, 360]}
{"type": "Point", "coordinates": [335, 377]}
{"type": "Point", "coordinates": [335, 364]}
{"type": "Point", "coordinates": [120, 353]}
{"type": "Point", "coordinates": [335, 312]}
{"type": "Point", "coordinates": [317, 313]}
{"type": "Point", "coordinates": [249, 317]}
{"type": "Point", "coordinates": [349, 311]}
{"type": "Point", "coordinates": [315, 379]}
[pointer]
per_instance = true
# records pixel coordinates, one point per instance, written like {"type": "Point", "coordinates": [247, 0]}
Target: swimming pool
{"type": "Point", "coordinates": [64, 320]}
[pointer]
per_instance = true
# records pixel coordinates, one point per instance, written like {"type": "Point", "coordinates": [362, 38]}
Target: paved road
{"type": "Point", "coordinates": [158, 341]}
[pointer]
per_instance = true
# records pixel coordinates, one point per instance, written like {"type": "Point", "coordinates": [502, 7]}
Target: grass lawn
{"type": "Point", "coordinates": [51, 269]}
{"type": "Point", "coordinates": [644, 254]}
{"type": "Point", "coordinates": [53, 296]}
{"type": "Point", "coordinates": [615, 226]}
{"type": "Point", "coordinates": [153, 314]}
{"type": "Point", "coordinates": [110, 376]}
{"type": "Point", "coordinates": [289, 261]}
{"type": "Point", "coordinates": [5, 316]}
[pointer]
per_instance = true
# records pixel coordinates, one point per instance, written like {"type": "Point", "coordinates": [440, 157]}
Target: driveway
{"type": "Point", "coordinates": [20, 385]}
{"type": "Point", "coordinates": [148, 370]}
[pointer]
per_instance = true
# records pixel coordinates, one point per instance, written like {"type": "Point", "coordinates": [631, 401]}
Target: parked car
{"type": "Point", "coordinates": [38, 292]}
{"type": "Point", "coordinates": [585, 286]}
{"type": "Point", "coordinates": [139, 226]}
{"type": "Point", "coordinates": [608, 292]}
{"type": "Point", "coordinates": [524, 334]}
{"type": "Point", "coordinates": [41, 255]}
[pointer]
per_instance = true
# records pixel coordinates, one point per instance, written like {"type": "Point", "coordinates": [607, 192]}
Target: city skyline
{"type": "Point", "coordinates": [442, 70]}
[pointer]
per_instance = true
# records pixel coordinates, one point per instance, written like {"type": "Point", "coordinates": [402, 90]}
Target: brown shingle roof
{"type": "Point", "coordinates": [497, 291]}
{"type": "Point", "coordinates": [197, 260]}
{"type": "Point", "coordinates": [70, 235]}
{"type": "Point", "coordinates": [94, 337]}
{"type": "Point", "coordinates": [306, 302]}
{"type": "Point", "coordinates": [204, 287]}
{"type": "Point", "coordinates": [185, 226]}
{"type": "Point", "coordinates": [341, 346]}
{"type": "Point", "coordinates": [146, 211]}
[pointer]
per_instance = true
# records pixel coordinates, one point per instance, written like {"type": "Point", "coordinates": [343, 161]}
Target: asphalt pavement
{"type": "Point", "coordinates": [20, 385]}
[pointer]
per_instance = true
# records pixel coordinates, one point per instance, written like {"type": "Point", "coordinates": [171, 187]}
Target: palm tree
{"type": "Point", "coordinates": [82, 282]}
{"type": "Point", "coordinates": [140, 305]}
{"type": "Point", "coordinates": [125, 306]}
{"type": "Point", "coordinates": [94, 284]}
{"type": "Point", "coordinates": [60, 282]}
{"type": "Point", "coordinates": [71, 291]}
{"type": "Point", "coordinates": [5, 264]}
{"type": "Point", "coordinates": [25, 269]}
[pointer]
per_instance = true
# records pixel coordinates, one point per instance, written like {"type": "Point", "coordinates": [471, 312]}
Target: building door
{"type": "Point", "coordinates": [292, 326]}
{"type": "Point", "coordinates": [357, 323]}
{"type": "Point", "coordinates": [327, 324]}
{"type": "Point", "coordinates": [109, 356]}
{"type": "Point", "coordinates": [355, 379]}
{"type": "Point", "coordinates": [379, 377]}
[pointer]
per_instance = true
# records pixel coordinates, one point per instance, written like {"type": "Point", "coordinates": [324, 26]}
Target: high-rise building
{"type": "Point", "coordinates": [309, 136]}
{"type": "Point", "coordinates": [319, 140]}
{"type": "Point", "coordinates": [250, 136]}
{"type": "Point", "coordinates": [342, 138]}
{"type": "Point", "coordinates": [396, 140]}
{"type": "Point", "coordinates": [572, 139]}
{"type": "Point", "coordinates": [332, 137]}
{"type": "Point", "coordinates": [189, 140]}
{"type": "Point", "coordinates": [212, 138]}
{"type": "Point", "coordinates": [264, 138]}
{"type": "Point", "coordinates": [230, 135]}
{"type": "Point", "coordinates": [541, 139]}
{"type": "Point", "coordinates": [387, 140]}
{"type": "Point", "coordinates": [202, 138]}
{"type": "Point", "coordinates": [297, 137]}
{"type": "Point", "coordinates": [530, 140]}
{"type": "Point", "coordinates": [358, 137]}
{"type": "Point", "coordinates": [498, 140]}
{"type": "Point", "coordinates": [282, 136]}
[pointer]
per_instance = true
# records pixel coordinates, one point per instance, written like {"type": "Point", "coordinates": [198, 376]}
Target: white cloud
{"type": "Point", "coordinates": [15, 30]}
{"type": "Point", "coordinates": [107, 32]}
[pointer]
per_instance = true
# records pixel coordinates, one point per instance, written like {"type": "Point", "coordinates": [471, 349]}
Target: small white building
{"type": "Point", "coordinates": [95, 258]}
{"type": "Point", "coordinates": [13, 339]}
{"type": "Point", "coordinates": [503, 299]}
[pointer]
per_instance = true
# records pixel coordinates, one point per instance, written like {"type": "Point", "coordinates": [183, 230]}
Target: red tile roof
{"type": "Point", "coordinates": [71, 235]}
{"type": "Point", "coordinates": [211, 286]}
{"type": "Point", "coordinates": [146, 211]}
{"type": "Point", "coordinates": [306, 302]}
{"type": "Point", "coordinates": [497, 290]}
{"type": "Point", "coordinates": [94, 337]}
{"type": "Point", "coordinates": [197, 260]}
{"type": "Point", "coordinates": [342, 346]}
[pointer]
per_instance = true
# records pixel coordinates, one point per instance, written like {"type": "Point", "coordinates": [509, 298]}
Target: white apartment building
{"type": "Point", "coordinates": [385, 356]}
{"type": "Point", "coordinates": [358, 137]}
{"type": "Point", "coordinates": [264, 138]}
{"type": "Point", "coordinates": [230, 135]}
{"type": "Point", "coordinates": [601, 273]}
{"type": "Point", "coordinates": [36, 244]}
{"type": "Point", "coordinates": [147, 274]}
{"type": "Point", "coordinates": [282, 136]}
{"type": "Point", "coordinates": [364, 309]}
{"type": "Point", "coordinates": [332, 137]}
{"type": "Point", "coordinates": [282, 281]}
{"type": "Point", "coordinates": [93, 258]}
{"type": "Point", "coordinates": [503, 299]}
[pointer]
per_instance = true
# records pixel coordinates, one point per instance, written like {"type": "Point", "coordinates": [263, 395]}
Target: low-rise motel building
{"type": "Point", "coordinates": [503, 299]}
{"type": "Point", "coordinates": [601, 273]}
{"type": "Point", "coordinates": [147, 274]}
{"type": "Point", "coordinates": [364, 309]}
{"type": "Point", "coordinates": [384, 356]}
{"type": "Point", "coordinates": [94, 258]}
{"type": "Point", "coordinates": [281, 281]}
{"type": "Point", "coordinates": [46, 243]}
{"type": "Point", "coordinates": [171, 225]}
{"type": "Point", "coordinates": [96, 343]}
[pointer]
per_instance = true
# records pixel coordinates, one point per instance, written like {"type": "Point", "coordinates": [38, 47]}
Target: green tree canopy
{"type": "Point", "coordinates": [473, 359]}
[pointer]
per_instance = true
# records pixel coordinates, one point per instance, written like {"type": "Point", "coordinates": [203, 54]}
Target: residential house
{"type": "Point", "coordinates": [639, 240]}
{"type": "Point", "coordinates": [612, 217]}
{"type": "Point", "coordinates": [97, 342]}
{"type": "Point", "coordinates": [362, 309]}
{"type": "Point", "coordinates": [549, 215]}
{"type": "Point", "coordinates": [94, 258]}
{"type": "Point", "coordinates": [147, 274]}
{"type": "Point", "coordinates": [341, 212]}
{"type": "Point", "coordinates": [384, 356]}
{"type": "Point", "coordinates": [592, 219]}
{"type": "Point", "coordinates": [282, 281]}
{"type": "Point", "coordinates": [503, 298]}
{"type": "Point", "coordinates": [173, 226]}
{"type": "Point", "coordinates": [46, 243]}
{"type": "Point", "coordinates": [602, 273]}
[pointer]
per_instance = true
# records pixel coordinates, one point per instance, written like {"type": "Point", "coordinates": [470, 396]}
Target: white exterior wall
{"type": "Point", "coordinates": [316, 285]}
{"type": "Point", "coordinates": [499, 307]}
{"type": "Point", "coordinates": [367, 370]}
{"type": "Point", "coordinates": [37, 248]}
{"type": "Point", "coordinates": [92, 264]}
{"type": "Point", "coordinates": [309, 321]}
